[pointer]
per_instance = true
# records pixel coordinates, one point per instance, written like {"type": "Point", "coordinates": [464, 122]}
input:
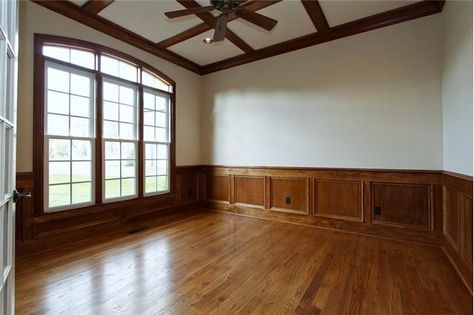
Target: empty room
{"type": "Point", "coordinates": [236, 157]}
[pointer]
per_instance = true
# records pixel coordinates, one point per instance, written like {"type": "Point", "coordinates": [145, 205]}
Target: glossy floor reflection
{"type": "Point", "coordinates": [225, 264]}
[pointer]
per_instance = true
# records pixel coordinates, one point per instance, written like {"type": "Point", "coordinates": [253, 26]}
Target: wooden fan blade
{"type": "Point", "coordinates": [221, 27]}
{"type": "Point", "coordinates": [178, 13]}
{"type": "Point", "coordinates": [256, 18]}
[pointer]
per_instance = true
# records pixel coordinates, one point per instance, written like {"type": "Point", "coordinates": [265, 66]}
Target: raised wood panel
{"type": "Point", "coordinates": [402, 204]}
{"type": "Point", "coordinates": [249, 190]}
{"type": "Point", "coordinates": [452, 217]}
{"type": "Point", "coordinates": [218, 187]}
{"type": "Point", "coordinates": [296, 189]}
{"type": "Point", "coordinates": [466, 249]}
{"type": "Point", "coordinates": [188, 187]}
{"type": "Point", "coordinates": [339, 199]}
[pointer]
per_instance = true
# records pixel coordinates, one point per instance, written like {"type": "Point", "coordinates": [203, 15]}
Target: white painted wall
{"type": "Point", "coordinates": [372, 101]}
{"type": "Point", "coordinates": [36, 19]}
{"type": "Point", "coordinates": [457, 87]}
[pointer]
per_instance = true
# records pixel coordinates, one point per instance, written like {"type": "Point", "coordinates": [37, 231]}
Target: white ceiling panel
{"type": "Point", "coordinates": [293, 21]}
{"type": "Point", "coordinates": [147, 18]}
{"type": "Point", "coordinates": [196, 50]}
{"type": "Point", "coordinates": [79, 2]}
{"type": "Point", "coordinates": [340, 12]}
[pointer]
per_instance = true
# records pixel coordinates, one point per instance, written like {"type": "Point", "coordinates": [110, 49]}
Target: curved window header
{"type": "Point", "coordinates": [105, 60]}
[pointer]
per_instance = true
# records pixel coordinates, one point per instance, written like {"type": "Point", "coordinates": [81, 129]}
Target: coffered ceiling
{"type": "Point", "coordinates": [301, 23]}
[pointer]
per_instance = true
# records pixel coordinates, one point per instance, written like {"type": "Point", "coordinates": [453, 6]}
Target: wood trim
{"type": "Point", "coordinates": [313, 8]}
{"type": "Point", "coordinates": [103, 25]}
{"type": "Point", "coordinates": [38, 158]}
{"type": "Point", "coordinates": [95, 6]}
{"type": "Point", "coordinates": [395, 16]}
{"type": "Point", "coordinates": [204, 27]}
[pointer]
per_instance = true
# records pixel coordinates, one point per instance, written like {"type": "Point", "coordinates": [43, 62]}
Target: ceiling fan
{"type": "Point", "coordinates": [227, 7]}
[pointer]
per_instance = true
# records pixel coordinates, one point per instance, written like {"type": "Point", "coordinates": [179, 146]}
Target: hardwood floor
{"type": "Point", "coordinates": [226, 264]}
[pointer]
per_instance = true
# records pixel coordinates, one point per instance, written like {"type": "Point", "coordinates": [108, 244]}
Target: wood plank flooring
{"type": "Point", "coordinates": [215, 263]}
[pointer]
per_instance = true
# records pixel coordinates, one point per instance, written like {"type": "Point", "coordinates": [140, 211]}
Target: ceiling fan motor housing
{"type": "Point", "coordinates": [225, 6]}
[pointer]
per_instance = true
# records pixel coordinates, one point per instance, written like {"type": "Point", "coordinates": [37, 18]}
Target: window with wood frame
{"type": "Point", "coordinates": [103, 123]}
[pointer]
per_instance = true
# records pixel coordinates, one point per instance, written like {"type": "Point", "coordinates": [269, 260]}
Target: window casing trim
{"type": "Point", "coordinates": [97, 173]}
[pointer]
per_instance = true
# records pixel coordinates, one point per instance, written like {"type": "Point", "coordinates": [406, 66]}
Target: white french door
{"type": "Point", "coordinates": [8, 86]}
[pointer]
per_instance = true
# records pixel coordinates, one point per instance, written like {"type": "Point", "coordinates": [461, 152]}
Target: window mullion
{"type": "Point", "coordinates": [141, 145]}
{"type": "Point", "coordinates": [99, 154]}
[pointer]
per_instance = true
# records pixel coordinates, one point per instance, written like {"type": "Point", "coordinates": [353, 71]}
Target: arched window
{"type": "Point", "coordinates": [104, 124]}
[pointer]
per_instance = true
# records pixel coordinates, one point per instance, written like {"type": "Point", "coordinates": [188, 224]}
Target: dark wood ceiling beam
{"type": "Point", "coordinates": [204, 27]}
{"type": "Point", "coordinates": [402, 14]}
{"type": "Point", "coordinates": [96, 22]}
{"type": "Point", "coordinates": [210, 20]}
{"type": "Point", "coordinates": [95, 6]}
{"type": "Point", "coordinates": [313, 8]}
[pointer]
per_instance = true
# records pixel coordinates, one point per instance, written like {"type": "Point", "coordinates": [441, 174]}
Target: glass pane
{"type": "Point", "coordinates": [161, 103]}
{"type": "Point", "coordinates": [161, 119]}
{"type": "Point", "coordinates": [149, 79]}
{"type": "Point", "coordinates": [81, 192]}
{"type": "Point", "coordinates": [127, 113]}
{"type": "Point", "coordinates": [149, 117]}
{"type": "Point", "coordinates": [148, 101]}
{"type": "Point", "coordinates": [161, 135]}
{"type": "Point", "coordinates": [110, 129]}
{"type": "Point", "coordinates": [127, 96]}
{"type": "Point", "coordinates": [162, 151]}
{"type": "Point", "coordinates": [58, 80]}
{"type": "Point", "coordinates": [128, 151]}
{"type": "Point", "coordinates": [58, 125]}
{"type": "Point", "coordinates": [162, 167]}
{"type": "Point", "coordinates": [59, 195]}
{"type": "Point", "coordinates": [80, 85]}
{"type": "Point", "coordinates": [127, 71]}
{"type": "Point", "coordinates": [109, 65]}
{"type": "Point", "coordinates": [127, 131]}
{"type": "Point", "coordinates": [162, 183]}
{"type": "Point", "coordinates": [59, 172]}
{"type": "Point", "coordinates": [150, 184]}
{"type": "Point", "coordinates": [80, 106]}
{"type": "Point", "coordinates": [128, 168]}
{"type": "Point", "coordinates": [112, 188]}
{"type": "Point", "coordinates": [128, 186]}
{"type": "Point", "coordinates": [58, 102]}
{"type": "Point", "coordinates": [80, 127]}
{"type": "Point", "coordinates": [149, 133]}
{"type": "Point", "coordinates": [150, 151]}
{"type": "Point", "coordinates": [111, 111]}
{"type": "Point", "coordinates": [55, 52]}
{"type": "Point", "coordinates": [111, 92]}
{"type": "Point", "coordinates": [112, 169]}
{"type": "Point", "coordinates": [59, 149]}
{"type": "Point", "coordinates": [150, 167]}
{"type": "Point", "coordinates": [81, 150]}
{"type": "Point", "coordinates": [112, 150]}
{"type": "Point", "coordinates": [83, 58]}
{"type": "Point", "coordinates": [81, 171]}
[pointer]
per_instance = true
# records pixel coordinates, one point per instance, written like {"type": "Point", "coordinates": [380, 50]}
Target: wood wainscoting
{"type": "Point", "coordinates": [457, 223]}
{"type": "Point", "coordinates": [36, 232]}
{"type": "Point", "coordinates": [411, 200]}
{"type": "Point", "coordinates": [431, 207]}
